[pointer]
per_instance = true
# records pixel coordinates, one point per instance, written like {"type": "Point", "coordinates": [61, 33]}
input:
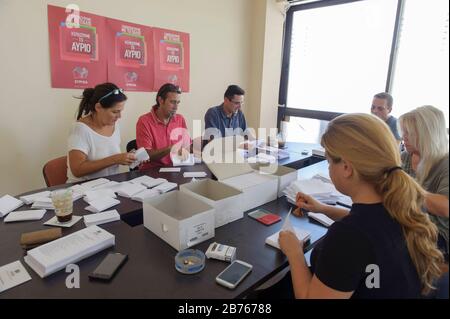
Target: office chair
{"type": "Point", "coordinates": [55, 171]}
{"type": "Point", "coordinates": [131, 145]}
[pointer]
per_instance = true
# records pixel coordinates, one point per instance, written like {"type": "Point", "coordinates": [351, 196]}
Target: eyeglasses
{"type": "Point", "coordinates": [237, 103]}
{"type": "Point", "coordinates": [115, 92]}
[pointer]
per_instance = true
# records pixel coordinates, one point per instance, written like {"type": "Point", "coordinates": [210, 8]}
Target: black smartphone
{"type": "Point", "coordinates": [108, 267]}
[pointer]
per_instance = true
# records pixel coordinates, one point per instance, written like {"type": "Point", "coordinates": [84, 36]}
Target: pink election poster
{"type": "Point", "coordinates": [77, 55]}
{"type": "Point", "coordinates": [130, 55]}
{"type": "Point", "coordinates": [171, 58]}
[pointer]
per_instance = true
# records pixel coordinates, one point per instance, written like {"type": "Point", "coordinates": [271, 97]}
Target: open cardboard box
{"type": "Point", "coordinates": [230, 168]}
{"type": "Point", "coordinates": [285, 175]}
{"type": "Point", "coordinates": [226, 200]}
{"type": "Point", "coordinates": [179, 219]}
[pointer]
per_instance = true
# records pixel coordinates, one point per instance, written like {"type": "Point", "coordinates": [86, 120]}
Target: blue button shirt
{"type": "Point", "coordinates": [392, 123]}
{"type": "Point", "coordinates": [218, 122]}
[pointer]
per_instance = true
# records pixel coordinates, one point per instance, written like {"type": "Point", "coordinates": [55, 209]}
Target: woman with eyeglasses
{"type": "Point", "coordinates": [94, 143]}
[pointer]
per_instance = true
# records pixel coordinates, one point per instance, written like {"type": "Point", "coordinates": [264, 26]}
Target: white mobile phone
{"type": "Point", "coordinates": [234, 274]}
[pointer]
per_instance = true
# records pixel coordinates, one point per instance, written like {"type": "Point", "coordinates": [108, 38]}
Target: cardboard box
{"type": "Point", "coordinates": [226, 200]}
{"type": "Point", "coordinates": [285, 175]}
{"type": "Point", "coordinates": [179, 219]}
{"type": "Point", "coordinates": [230, 168]}
{"type": "Point", "coordinates": [258, 189]}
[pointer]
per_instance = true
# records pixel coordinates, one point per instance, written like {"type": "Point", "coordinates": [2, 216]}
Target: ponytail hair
{"type": "Point", "coordinates": [100, 94]}
{"type": "Point", "coordinates": [366, 142]}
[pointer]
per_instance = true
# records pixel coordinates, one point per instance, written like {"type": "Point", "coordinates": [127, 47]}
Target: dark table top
{"type": "Point", "coordinates": [150, 271]}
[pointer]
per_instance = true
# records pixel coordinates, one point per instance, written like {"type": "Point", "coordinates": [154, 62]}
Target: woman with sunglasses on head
{"type": "Point", "coordinates": [94, 143]}
{"type": "Point", "coordinates": [385, 247]}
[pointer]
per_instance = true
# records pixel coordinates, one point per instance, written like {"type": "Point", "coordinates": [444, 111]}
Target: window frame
{"type": "Point", "coordinates": [283, 110]}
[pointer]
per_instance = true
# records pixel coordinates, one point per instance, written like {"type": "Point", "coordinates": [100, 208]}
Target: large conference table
{"type": "Point", "coordinates": [150, 270]}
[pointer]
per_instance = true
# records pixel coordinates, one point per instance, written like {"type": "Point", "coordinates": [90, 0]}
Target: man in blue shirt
{"type": "Point", "coordinates": [226, 119]}
{"type": "Point", "coordinates": [382, 107]}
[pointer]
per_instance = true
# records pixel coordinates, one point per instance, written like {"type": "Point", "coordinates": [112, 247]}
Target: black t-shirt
{"type": "Point", "coordinates": [368, 236]}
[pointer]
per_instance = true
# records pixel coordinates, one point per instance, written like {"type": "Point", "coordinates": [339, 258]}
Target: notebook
{"type": "Point", "coordinates": [302, 234]}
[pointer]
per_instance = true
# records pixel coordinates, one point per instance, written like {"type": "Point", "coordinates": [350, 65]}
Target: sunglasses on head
{"type": "Point", "coordinates": [115, 92]}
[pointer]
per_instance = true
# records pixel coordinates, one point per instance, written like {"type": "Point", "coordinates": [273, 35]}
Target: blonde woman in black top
{"type": "Point", "coordinates": [385, 247]}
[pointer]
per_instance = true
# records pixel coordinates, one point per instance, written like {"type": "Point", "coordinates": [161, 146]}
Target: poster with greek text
{"type": "Point", "coordinates": [130, 55]}
{"type": "Point", "coordinates": [77, 48]}
{"type": "Point", "coordinates": [171, 58]}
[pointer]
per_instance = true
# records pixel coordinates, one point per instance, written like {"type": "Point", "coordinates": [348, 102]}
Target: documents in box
{"type": "Point", "coordinates": [179, 219]}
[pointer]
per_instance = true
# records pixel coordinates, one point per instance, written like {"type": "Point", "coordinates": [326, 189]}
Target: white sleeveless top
{"type": "Point", "coordinates": [95, 146]}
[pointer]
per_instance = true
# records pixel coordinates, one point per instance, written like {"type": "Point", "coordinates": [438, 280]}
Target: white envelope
{"type": "Point", "coordinates": [130, 189]}
{"type": "Point", "coordinates": [148, 181]}
{"type": "Point", "coordinates": [29, 199]}
{"type": "Point", "coordinates": [8, 204]}
{"type": "Point", "coordinates": [169, 170]}
{"type": "Point", "coordinates": [43, 202]}
{"type": "Point", "coordinates": [148, 193]}
{"type": "Point", "coordinates": [194, 174]}
{"type": "Point", "coordinates": [25, 215]}
{"type": "Point", "coordinates": [101, 218]}
{"type": "Point", "coordinates": [163, 188]}
{"type": "Point", "coordinates": [141, 156]}
{"type": "Point", "coordinates": [176, 161]}
{"type": "Point", "coordinates": [95, 182]}
{"type": "Point", "coordinates": [102, 204]}
{"type": "Point", "coordinates": [321, 218]}
{"type": "Point", "coordinates": [90, 196]}
{"type": "Point", "coordinates": [110, 185]}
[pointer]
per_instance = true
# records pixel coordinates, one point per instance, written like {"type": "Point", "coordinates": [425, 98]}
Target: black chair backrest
{"type": "Point", "coordinates": [131, 145]}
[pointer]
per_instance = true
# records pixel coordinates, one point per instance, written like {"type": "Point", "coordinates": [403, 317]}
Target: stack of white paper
{"type": "Point", "coordinates": [262, 158]}
{"type": "Point", "coordinates": [319, 151]}
{"type": "Point", "coordinates": [101, 218]}
{"type": "Point", "coordinates": [155, 182]}
{"type": "Point", "coordinates": [170, 170]}
{"type": "Point", "coordinates": [321, 218]}
{"type": "Point", "coordinates": [25, 215]}
{"type": "Point", "coordinates": [301, 234]}
{"type": "Point", "coordinates": [43, 203]}
{"type": "Point", "coordinates": [279, 153]}
{"type": "Point", "coordinates": [92, 195]}
{"type": "Point", "coordinates": [163, 188]}
{"type": "Point", "coordinates": [318, 187]}
{"type": "Point", "coordinates": [194, 174]}
{"type": "Point", "coordinates": [129, 189]}
{"type": "Point", "coordinates": [29, 199]}
{"type": "Point", "coordinates": [55, 255]}
{"type": "Point", "coordinates": [78, 189]}
{"type": "Point", "coordinates": [148, 193]}
{"type": "Point", "coordinates": [177, 161]}
{"type": "Point", "coordinates": [101, 204]}
{"type": "Point", "coordinates": [8, 204]}
{"type": "Point", "coordinates": [95, 183]}
{"type": "Point", "coordinates": [141, 156]}
{"type": "Point", "coordinates": [112, 185]}
{"type": "Point", "coordinates": [148, 181]}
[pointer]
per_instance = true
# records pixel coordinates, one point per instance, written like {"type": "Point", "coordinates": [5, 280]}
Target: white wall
{"type": "Point", "coordinates": [35, 119]}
